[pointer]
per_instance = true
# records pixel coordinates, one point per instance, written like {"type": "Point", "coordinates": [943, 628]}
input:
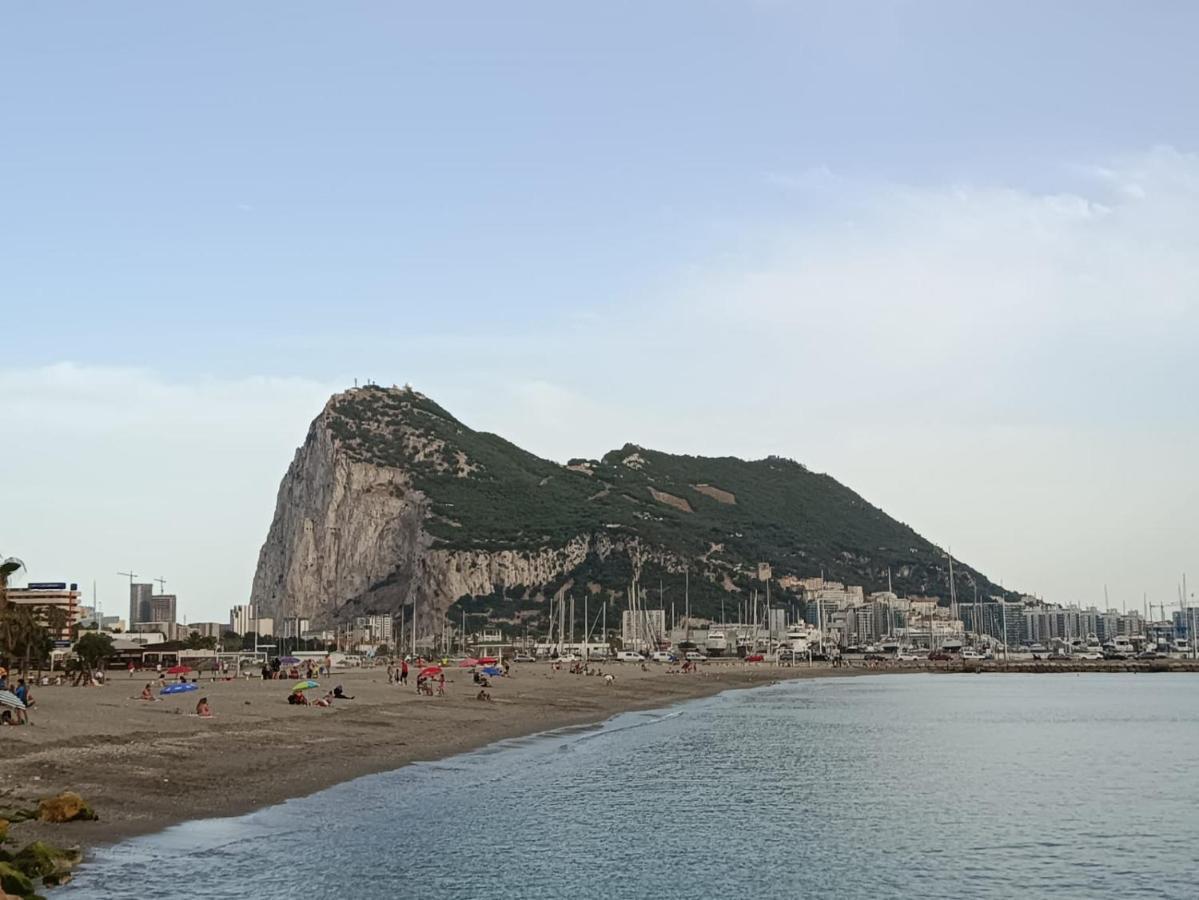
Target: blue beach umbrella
{"type": "Point", "coordinates": [493, 671]}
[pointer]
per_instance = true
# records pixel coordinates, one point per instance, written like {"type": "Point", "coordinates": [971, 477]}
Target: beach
{"type": "Point", "coordinates": [146, 765]}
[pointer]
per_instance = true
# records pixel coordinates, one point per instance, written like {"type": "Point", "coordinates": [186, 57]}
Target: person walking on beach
{"type": "Point", "coordinates": [404, 672]}
{"type": "Point", "coordinates": [441, 684]}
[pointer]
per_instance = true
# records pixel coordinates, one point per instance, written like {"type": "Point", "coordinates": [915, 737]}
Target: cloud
{"type": "Point", "coordinates": [1003, 302]}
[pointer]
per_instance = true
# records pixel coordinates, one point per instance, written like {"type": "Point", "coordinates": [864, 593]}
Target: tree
{"type": "Point", "coordinates": [22, 636]}
{"type": "Point", "coordinates": [93, 651]}
{"type": "Point", "coordinates": [8, 566]}
{"type": "Point", "coordinates": [197, 641]}
{"type": "Point", "coordinates": [56, 619]}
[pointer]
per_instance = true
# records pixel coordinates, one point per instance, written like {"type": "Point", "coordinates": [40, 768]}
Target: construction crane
{"type": "Point", "coordinates": [131, 576]}
{"type": "Point", "coordinates": [162, 584]}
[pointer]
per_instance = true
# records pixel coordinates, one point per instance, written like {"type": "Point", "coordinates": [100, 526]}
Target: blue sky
{"type": "Point", "coordinates": [943, 251]}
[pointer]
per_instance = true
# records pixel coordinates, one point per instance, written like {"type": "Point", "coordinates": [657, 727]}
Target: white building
{"type": "Point", "coordinates": [241, 618]}
{"type": "Point", "coordinates": [642, 630]}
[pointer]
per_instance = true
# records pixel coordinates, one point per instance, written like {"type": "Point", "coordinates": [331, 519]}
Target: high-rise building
{"type": "Point", "coordinates": [163, 608]}
{"type": "Point", "coordinates": [140, 607]}
{"type": "Point", "coordinates": [369, 629]}
{"type": "Point", "coordinates": [241, 618]}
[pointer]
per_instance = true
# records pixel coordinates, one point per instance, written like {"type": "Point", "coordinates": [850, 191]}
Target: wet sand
{"type": "Point", "coordinates": [146, 765]}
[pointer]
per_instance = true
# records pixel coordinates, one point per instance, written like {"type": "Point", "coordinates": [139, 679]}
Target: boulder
{"type": "Point", "coordinates": [66, 807]}
{"type": "Point", "coordinates": [14, 881]}
{"type": "Point", "coordinates": [45, 861]}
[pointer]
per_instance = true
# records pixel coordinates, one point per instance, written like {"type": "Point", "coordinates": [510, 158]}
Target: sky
{"type": "Point", "coordinates": [944, 251]}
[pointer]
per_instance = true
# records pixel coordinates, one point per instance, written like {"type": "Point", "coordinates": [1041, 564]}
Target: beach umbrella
{"type": "Point", "coordinates": [8, 698]}
{"type": "Point", "coordinates": [289, 660]}
{"type": "Point", "coordinates": [488, 660]}
{"type": "Point", "coordinates": [178, 670]}
{"type": "Point", "coordinates": [429, 671]}
{"type": "Point", "coordinates": [178, 689]}
{"type": "Point", "coordinates": [493, 671]}
{"type": "Point", "coordinates": [468, 662]}
{"type": "Point", "coordinates": [306, 685]}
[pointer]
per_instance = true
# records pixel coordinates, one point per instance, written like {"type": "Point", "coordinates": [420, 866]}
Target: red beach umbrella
{"type": "Point", "coordinates": [488, 660]}
{"type": "Point", "coordinates": [178, 670]}
{"type": "Point", "coordinates": [429, 671]}
{"type": "Point", "coordinates": [468, 662]}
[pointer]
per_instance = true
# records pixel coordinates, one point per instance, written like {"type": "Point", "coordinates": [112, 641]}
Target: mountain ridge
{"type": "Point", "coordinates": [393, 503]}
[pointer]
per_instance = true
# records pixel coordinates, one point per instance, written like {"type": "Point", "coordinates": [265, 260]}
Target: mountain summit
{"type": "Point", "coordinates": [391, 502]}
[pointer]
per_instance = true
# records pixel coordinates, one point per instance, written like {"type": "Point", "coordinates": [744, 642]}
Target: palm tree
{"type": "Point", "coordinates": [8, 566]}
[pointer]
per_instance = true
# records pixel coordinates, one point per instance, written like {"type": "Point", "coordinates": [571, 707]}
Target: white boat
{"type": "Point", "coordinates": [717, 644]}
{"type": "Point", "coordinates": [1121, 646]}
{"type": "Point", "coordinates": [799, 640]}
{"type": "Point", "coordinates": [745, 645]}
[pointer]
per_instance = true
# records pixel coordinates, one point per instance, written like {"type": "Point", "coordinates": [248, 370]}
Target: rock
{"type": "Point", "coordinates": [66, 807]}
{"type": "Point", "coordinates": [14, 881]}
{"type": "Point", "coordinates": [45, 861]}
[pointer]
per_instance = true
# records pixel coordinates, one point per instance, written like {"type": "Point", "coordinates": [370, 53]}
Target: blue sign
{"type": "Point", "coordinates": [47, 586]}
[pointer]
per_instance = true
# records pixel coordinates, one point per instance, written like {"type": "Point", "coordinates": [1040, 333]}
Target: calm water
{"type": "Point", "coordinates": [963, 786]}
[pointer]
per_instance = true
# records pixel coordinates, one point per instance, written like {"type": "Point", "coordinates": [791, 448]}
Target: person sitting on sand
{"type": "Point", "coordinates": [482, 695]}
{"type": "Point", "coordinates": [340, 694]}
{"type": "Point", "coordinates": [147, 693]}
{"type": "Point", "coordinates": [203, 710]}
{"type": "Point", "coordinates": [297, 698]}
{"type": "Point", "coordinates": [324, 701]}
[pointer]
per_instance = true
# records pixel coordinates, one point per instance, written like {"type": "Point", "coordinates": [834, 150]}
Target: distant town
{"type": "Point", "coordinates": [831, 621]}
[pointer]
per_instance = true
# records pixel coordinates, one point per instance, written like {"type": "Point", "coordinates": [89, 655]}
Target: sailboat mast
{"type": "Point", "coordinates": [687, 599]}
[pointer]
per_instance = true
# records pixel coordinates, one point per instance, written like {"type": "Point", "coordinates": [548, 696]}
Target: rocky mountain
{"type": "Point", "coordinates": [393, 503]}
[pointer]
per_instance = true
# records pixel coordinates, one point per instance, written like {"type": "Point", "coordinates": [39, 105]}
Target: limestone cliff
{"type": "Point", "coordinates": [391, 503]}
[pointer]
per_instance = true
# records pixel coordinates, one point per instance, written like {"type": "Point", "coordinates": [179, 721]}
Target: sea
{"type": "Point", "coordinates": [971, 786]}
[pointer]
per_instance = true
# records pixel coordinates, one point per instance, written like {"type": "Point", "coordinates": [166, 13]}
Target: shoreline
{"type": "Point", "coordinates": [147, 766]}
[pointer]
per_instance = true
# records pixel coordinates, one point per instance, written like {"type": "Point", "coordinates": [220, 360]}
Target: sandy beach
{"type": "Point", "coordinates": [146, 765]}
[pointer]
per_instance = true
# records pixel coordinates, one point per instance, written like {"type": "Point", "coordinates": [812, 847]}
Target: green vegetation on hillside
{"type": "Point", "coordinates": [487, 493]}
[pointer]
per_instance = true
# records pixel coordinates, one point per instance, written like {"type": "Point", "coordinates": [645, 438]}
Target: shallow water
{"type": "Point", "coordinates": [1079, 786]}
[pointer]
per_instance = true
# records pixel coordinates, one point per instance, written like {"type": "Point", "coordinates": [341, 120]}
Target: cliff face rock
{"type": "Point", "coordinates": [391, 504]}
{"type": "Point", "coordinates": [340, 526]}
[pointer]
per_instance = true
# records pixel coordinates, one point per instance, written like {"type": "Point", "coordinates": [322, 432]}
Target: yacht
{"type": "Point", "coordinates": [717, 643]}
{"type": "Point", "coordinates": [1120, 645]}
{"type": "Point", "coordinates": [798, 640]}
